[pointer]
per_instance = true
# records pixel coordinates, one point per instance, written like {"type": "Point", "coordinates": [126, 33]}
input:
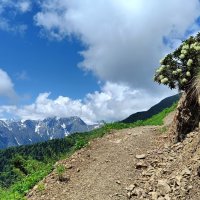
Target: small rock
{"type": "Point", "coordinates": [78, 170]}
{"type": "Point", "coordinates": [186, 171]}
{"type": "Point", "coordinates": [142, 156]}
{"type": "Point", "coordinates": [35, 187]}
{"type": "Point", "coordinates": [167, 197]}
{"type": "Point", "coordinates": [141, 165]}
{"type": "Point", "coordinates": [69, 167]}
{"type": "Point", "coordinates": [171, 158]}
{"type": "Point", "coordinates": [178, 180]}
{"type": "Point", "coordinates": [129, 195]}
{"type": "Point", "coordinates": [190, 187]}
{"type": "Point", "coordinates": [118, 182]}
{"type": "Point", "coordinates": [198, 171]}
{"type": "Point", "coordinates": [162, 164]}
{"type": "Point", "coordinates": [130, 187]}
{"type": "Point", "coordinates": [163, 187]}
{"type": "Point", "coordinates": [154, 195]}
{"type": "Point", "coordinates": [138, 192]}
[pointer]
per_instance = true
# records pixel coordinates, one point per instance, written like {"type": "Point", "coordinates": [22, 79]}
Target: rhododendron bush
{"type": "Point", "coordinates": [179, 68]}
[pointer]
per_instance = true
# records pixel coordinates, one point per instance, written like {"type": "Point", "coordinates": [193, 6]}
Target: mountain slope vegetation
{"type": "Point", "coordinates": [165, 103]}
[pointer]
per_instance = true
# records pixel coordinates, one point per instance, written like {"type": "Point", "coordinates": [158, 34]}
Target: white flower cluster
{"type": "Point", "coordinates": [160, 69]}
{"type": "Point", "coordinates": [195, 46]}
{"type": "Point", "coordinates": [184, 80]}
{"type": "Point", "coordinates": [164, 80]}
{"type": "Point", "coordinates": [186, 47]}
{"type": "Point", "coordinates": [179, 72]}
{"type": "Point", "coordinates": [189, 62]}
{"type": "Point", "coordinates": [176, 72]}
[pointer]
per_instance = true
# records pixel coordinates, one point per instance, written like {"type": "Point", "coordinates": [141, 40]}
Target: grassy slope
{"type": "Point", "coordinates": [36, 168]}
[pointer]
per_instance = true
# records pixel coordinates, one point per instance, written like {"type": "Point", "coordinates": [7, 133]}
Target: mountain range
{"type": "Point", "coordinates": [16, 133]}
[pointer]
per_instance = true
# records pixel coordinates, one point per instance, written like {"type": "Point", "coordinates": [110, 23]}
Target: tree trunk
{"type": "Point", "coordinates": [187, 116]}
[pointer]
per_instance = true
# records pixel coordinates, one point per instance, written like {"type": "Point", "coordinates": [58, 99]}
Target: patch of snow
{"type": "Point", "coordinates": [63, 126]}
{"type": "Point", "coordinates": [6, 124]}
{"type": "Point", "coordinates": [37, 128]}
{"type": "Point", "coordinates": [97, 126]}
{"type": "Point", "coordinates": [23, 125]}
{"type": "Point", "coordinates": [67, 133]}
{"type": "Point", "coordinates": [17, 141]}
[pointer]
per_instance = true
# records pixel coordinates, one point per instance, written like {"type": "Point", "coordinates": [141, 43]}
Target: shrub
{"type": "Point", "coordinates": [179, 68]}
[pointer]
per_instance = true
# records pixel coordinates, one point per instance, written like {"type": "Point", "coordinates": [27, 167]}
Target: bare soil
{"type": "Point", "coordinates": [102, 170]}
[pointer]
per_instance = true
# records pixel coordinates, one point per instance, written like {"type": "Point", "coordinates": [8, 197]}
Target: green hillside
{"type": "Point", "coordinates": [22, 167]}
{"type": "Point", "coordinates": [165, 103]}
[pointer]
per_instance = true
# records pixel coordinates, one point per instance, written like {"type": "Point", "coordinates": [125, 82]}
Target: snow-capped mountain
{"type": "Point", "coordinates": [15, 133]}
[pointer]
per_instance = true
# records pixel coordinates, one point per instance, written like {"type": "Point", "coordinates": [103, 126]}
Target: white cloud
{"type": "Point", "coordinates": [123, 38]}
{"type": "Point", "coordinates": [19, 6]}
{"type": "Point", "coordinates": [123, 43]}
{"type": "Point", "coordinates": [6, 85]}
{"type": "Point", "coordinates": [12, 8]}
{"type": "Point", "coordinates": [114, 102]}
{"type": "Point", "coordinates": [24, 6]}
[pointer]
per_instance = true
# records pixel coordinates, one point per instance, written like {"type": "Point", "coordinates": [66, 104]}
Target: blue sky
{"type": "Point", "coordinates": [93, 59]}
{"type": "Point", "coordinates": [37, 64]}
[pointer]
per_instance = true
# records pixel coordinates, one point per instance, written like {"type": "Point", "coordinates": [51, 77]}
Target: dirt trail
{"type": "Point", "coordinates": [104, 169]}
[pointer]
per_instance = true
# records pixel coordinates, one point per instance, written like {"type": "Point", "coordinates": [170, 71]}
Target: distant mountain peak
{"type": "Point", "coordinates": [23, 132]}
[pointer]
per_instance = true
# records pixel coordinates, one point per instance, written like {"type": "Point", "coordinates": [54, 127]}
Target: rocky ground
{"type": "Point", "coordinates": [172, 173]}
{"type": "Point", "coordinates": [137, 163]}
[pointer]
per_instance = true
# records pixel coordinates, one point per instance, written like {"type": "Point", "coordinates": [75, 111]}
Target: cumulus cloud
{"type": "Point", "coordinates": [123, 38]}
{"type": "Point", "coordinates": [113, 102]}
{"type": "Point", "coordinates": [6, 85]}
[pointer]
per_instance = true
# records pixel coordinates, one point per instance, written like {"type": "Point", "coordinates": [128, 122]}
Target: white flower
{"type": "Point", "coordinates": [188, 74]}
{"type": "Point", "coordinates": [184, 80]}
{"type": "Point", "coordinates": [197, 48]}
{"type": "Point", "coordinates": [174, 72]}
{"type": "Point", "coordinates": [192, 46]}
{"type": "Point", "coordinates": [182, 56]}
{"type": "Point", "coordinates": [158, 70]}
{"type": "Point", "coordinates": [161, 77]}
{"type": "Point", "coordinates": [186, 46]}
{"type": "Point", "coordinates": [179, 71]}
{"type": "Point", "coordinates": [189, 62]}
{"type": "Point", "coordinates": [161, 61]}
{"type": "Point", "coordinates": [183, 51]}
{"type": "Point", "coordinates": [164, 80]}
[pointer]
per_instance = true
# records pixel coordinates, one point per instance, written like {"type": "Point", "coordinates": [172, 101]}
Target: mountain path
{"type": "Point", "coordinates": [103, 169]}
